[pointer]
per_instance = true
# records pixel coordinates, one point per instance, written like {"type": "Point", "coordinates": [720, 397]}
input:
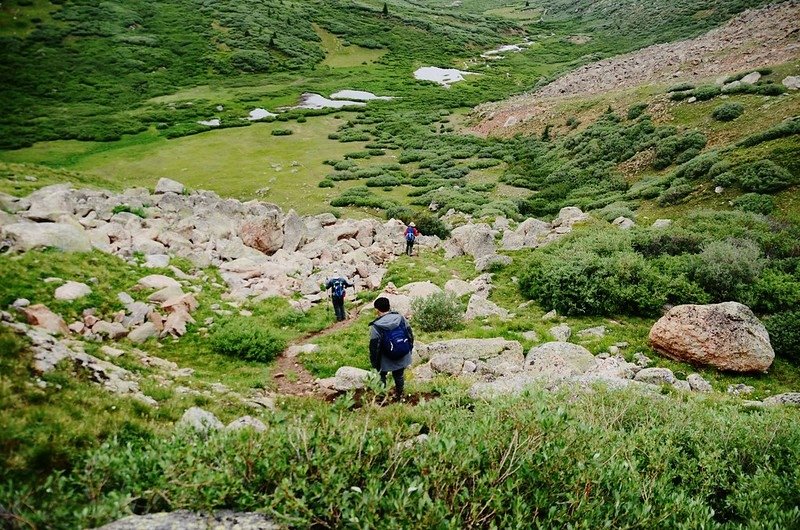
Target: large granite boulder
{"type": "Point", "coordinates": [558, 360]}
{"type": "Point", "coordinates": [727, 336]}
{"type": "Point", "coordinates": [28, 236]}
{"type": "Point", "coordinates": [264, 234]}
{"type": "Point", "coordinates": [40, 316]}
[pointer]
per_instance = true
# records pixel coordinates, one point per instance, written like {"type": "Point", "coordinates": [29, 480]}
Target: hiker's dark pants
{"type": "Point", "coordinates": [399, 380]}
{"type": "Point", "coordinates": [338, 307]}
{"type": "Point", "coordinates": [409, 247]}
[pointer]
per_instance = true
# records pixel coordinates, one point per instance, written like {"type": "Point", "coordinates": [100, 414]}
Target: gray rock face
{"type": "Point", "coordinates": [561, 333]}
{"type": "Point", "coordinates": [662, 223]}
{"type": "Point", "coordinates": [555, 360]}
{"type": "Point", "coordinates": [727, 336]}
{"type": "Point", "coordinates": [419, 289]}
{"type": "Point", "coordinates": [504, 386]}
{"type": "Point", "coordinates": [473, 240]}
{"type": "Point", "coordinates": [294, 232]}
{"type": "Point", "coordinates": [491, 357]}
{"type": "Point", "coordinates": [186, 520]}
{"type": "Point", "coordinates": [655, 376]}
{"type": "Point", "coordinates": [166, 185]}
{"type": "Point", "coordinates": [199, 420]}
{"type": "Point", "coordinates": [792, 82]}
{"type": "Point", "coordinates": [29, 236]}
{"type": "Point", "coordinates": [484, 263]}
{"type": "Point", "coordinates": [698, 384]}
{"type": "Point", "coordinates": [480, 307]}
{"type": "Point", "coordinates": [246, 422]}
{"type": "Point", "coordinates": [350, 378]}
{"type": "Point", "coordinates": [72, 291]}
{"type": "Point", "coordinates": [623, 223]}
{"type": "Point", "coordinates": [789, 398]}
{"type": "Point", "coordinates": [158, 281]}
{"type": "Point", "coordinates": [459, 287]}
{"type": "Point", "coordinates": [740, 389]}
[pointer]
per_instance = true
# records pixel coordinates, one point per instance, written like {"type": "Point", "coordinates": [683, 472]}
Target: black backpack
{"type": "Point", "coordinates": [395, 343]}
{"type": "Point", "coordinates": [338, 287]}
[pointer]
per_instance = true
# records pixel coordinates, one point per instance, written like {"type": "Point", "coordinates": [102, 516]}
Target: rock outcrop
{"type": "Point", "coordinates": [727, 336]}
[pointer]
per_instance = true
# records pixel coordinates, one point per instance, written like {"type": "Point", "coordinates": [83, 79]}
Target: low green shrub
{"type": "Point", "coordinates": [725, 268]}
{"type": "Point", "coordinates": [247, 339]}
{"type": "Point", "coordinates": [728, 111]}
{"type": "Point", "coordinates": [438, 312]}
{"type": "Point", "coordinates": [636, 110]}
{"type": "Point", "coordinates": [282, 132]}
{"type": "Point", "coordinates": [138, 210]}
{"type": "Point", "coordinates": [325, 183]}
{"type": "Point", "coordinates": [784, 334]}
{"type": "Point", "coordinates": [755, 203]}
{"type": "Point", "coordinates": [763, 176]}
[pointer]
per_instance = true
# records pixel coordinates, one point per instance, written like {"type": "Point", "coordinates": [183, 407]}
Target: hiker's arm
{"type": "Point", "coordinates": [410, 333]}
{"type": "Point", "coordinates": [374, 348]}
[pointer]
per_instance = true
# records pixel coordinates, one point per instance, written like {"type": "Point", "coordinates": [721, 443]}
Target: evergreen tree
{"type": "Point", "coordinates": [385, 10]}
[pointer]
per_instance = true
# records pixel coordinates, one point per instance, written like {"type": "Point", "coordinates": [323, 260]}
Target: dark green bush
{"type": "Point", "coordinates": [784, 334]}
{"type": "Point", "coordinates": [282, 132]}
{"type": "Point", "coordinates": [706, 92]}
{"type": "Point", "coordinates": [728, 111]}
{"type": "Point", "coordinates": [246, 338]}
{"type": "Point", "coordinates": [438, 312]}
{"type": "Point", "coordinates": [636, 111]}
{"type": "Point", "coordinates": [325, 183]}
{"type": "Point", "coordinates": [755, 203]}
{"type": "Point", "coordinates": [763, 176]}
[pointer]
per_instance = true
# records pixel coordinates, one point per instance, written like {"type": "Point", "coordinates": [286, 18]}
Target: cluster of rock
{"type": "Point", "coordinates": [187, 520]}
{"type": "Point", "coordinates": [260, 250]}
{"type": "Point", "coordinates": [478, 240]}
{"type": "Point", "coordinates": [751, 40]}
{"type": "Point", "coordinates": [138, 322]}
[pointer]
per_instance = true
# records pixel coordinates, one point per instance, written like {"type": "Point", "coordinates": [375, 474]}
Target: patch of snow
{"type": "Point", "coordinates": [210, 123]}
{"type": "Point", "coordinates": [358, 95]}
{"type": "Point", "coordinates": [315, 101]}
{"type": "Point", "coordinates": [507, 48]}
{"type": "Point", "coordinates": [442, 76]}
{"type": "Point", "coordinates": [259, 114]}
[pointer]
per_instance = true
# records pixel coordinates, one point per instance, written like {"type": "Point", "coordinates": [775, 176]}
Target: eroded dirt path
{"type": "Point", "coordinates": [290, 377]}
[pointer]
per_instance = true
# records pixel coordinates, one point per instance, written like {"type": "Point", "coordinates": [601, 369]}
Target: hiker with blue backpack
{"type": "Point", "coordinates": [338, 285]}
{"type": "Point", "coordinates": [391, 341]}
{"type": "Point", "coordinates": [411, 234]}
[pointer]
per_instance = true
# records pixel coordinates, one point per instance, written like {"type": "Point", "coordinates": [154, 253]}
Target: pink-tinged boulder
{"type": "Point", "coordinates": [264, 234]}
{"type": "Point", "coordinates": [40, 316]}
{"type": "Point", "coordinates": [727, 336]}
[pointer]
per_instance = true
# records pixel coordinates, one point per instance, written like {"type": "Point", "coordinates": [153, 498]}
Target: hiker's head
{"type": "Point", "coordinates": [382, 304]}
{"type": "Point", "coordinates": [411, 224]}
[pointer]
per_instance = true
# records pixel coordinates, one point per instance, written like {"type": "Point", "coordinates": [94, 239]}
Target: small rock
{"type": "Point", "coordinates": [789, 398]}
{"type": "Point", "coordinates": [598, 332]}
{"type": "Point", "coordinates": [111, 330]}
{"type": "Point", "coordinates": [641, 359]}
{"type": "Point", "coordinates": [740, 389]}
{"type": "Point", "coordinates": [655, 376]}
{"type": "Point", "coordinates": [112, 352]}
{"type": "Point", "coordinates": [561, 333]}
{"type": "Point", "coordinates": [77, 327]}
{"type": "Point", "coordinates": [662, 223]}
{"type": "Point", "coordinates": [158, 281]}
{"type": "Point", "coordinates": [166, 185]}
{"type": "Point", "coordinates": [531, 336]}
{"type": "Point", "coordinates": [246, 422]}
{"type": "Point", "coordinates": [156, 261]}
{"type": "Point", "coordinates": [72, 291]}
{"type": "Point", "coordinates": [350, 378]}
{"type": "Point", "coordinates": [40, 316]}
{"type": "Point", "coordinates": [19, 303]}
{"type": "Point", "coordinates": [698, 384]}
{"type": "Point", "coordinates": [143, 332]}
{"type": "Point", "coordinates": [199, 420]}
{"type": "Point", "coordinates": [792, 82]}
{"type": "Point", "coordinates": [550, 315]}
{"type": "Point", "coordinates": [125, 298]}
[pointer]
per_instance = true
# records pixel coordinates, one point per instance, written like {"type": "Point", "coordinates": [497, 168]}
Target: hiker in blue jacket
{"type": "Point", "coordinates": [338, 285]}
{"type": "Point", "coordinates": [391, 342]}
{"type": "Point", "coordinates": [411, 234]}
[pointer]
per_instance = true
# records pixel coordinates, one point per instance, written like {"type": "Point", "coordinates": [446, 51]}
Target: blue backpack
{"type": "Point", "coordinates": [410, 234]}
{"type": "Point", "coordinates": [396, 343]}
{"type": "Point", "coordinates": [338, 287]}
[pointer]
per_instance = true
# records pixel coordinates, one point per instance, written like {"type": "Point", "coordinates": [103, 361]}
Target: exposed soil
{"type": "Point", "coordinates": [364, 397]}
{"type": "Point", "coordinates": [754, 39]}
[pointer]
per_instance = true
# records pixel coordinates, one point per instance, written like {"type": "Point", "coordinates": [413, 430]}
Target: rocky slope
{"type": "Point", "coordinates": [754, 39]}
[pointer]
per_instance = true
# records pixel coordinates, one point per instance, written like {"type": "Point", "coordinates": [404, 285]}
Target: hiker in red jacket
{"type": "Point", "coordinates": [411, 236]}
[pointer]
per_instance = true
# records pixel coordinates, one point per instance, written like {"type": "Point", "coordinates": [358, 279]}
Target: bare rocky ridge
{"type": "Point", "coordinates": [754, 39]}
